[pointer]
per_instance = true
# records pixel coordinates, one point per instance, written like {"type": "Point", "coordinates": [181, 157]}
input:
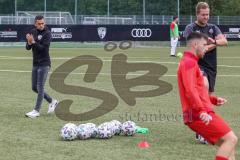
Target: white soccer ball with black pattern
{"type": "Point", "coordinates": [83, 132]}
{"type": "Point", "coordinates": [92, 129]}
{"type": "Point", "coordinates": [110, 126]}
{"type": "Point", "coordinates": [68, 132]}
{"type": "Point", "coordinates": [105, 131]}
{"type": "Point", "coordinates": [129, 128]}
{"type": "Point", "coordinates": [117, 127]}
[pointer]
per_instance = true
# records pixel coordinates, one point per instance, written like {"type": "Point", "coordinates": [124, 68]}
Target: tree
{"type": "Point", "coordinates": [7, 6]}
{"type": "Point", "coordinates": [123, 7]}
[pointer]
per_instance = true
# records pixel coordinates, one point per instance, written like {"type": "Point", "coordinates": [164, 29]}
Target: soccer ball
{"type": "Point", "coordinates": [179, 55]}
{"type": "Point", "coordinates": [68, 132]}
{"type": "Point", "coordinates": [116, 126]}
{"type": "Point", "coordinates": [83, 132]}
{"type": "Point", "coordinates": [110, 126]}
{"type": "Point", "coordinates": [105, 130]}
{"type": "Point", "coordinates": [92, 129]}
{"type": "Point", "coordinates": [129, 128]}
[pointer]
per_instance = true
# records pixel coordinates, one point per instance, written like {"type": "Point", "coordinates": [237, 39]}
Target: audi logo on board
{"type": "Point", "coordinates": [141, 32]}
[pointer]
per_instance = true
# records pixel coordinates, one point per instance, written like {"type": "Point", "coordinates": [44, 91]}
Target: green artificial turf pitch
{"type": "Point", "coordinates": [169, 139]}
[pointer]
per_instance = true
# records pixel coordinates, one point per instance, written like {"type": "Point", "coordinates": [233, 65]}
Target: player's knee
{"type": "Point", "coordinates": [232, 138]}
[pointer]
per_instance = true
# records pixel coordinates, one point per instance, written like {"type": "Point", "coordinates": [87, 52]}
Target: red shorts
{"type": "Point", "coordinates": [212, 132]}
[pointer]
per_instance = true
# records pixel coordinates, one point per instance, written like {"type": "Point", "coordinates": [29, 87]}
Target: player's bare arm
{"type": "Point", "coordinates": [221, 40]}
{"type": "Point", "coordinates": [211, 44]}
{"type": "Point", "coordinates": [210, 47]}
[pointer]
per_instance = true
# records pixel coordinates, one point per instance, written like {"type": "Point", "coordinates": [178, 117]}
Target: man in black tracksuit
{"type": "Point", "coordinates": [39, 40]}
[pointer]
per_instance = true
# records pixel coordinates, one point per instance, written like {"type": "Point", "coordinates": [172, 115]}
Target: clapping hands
{"type": "Point", "coordinates": [30, 39]}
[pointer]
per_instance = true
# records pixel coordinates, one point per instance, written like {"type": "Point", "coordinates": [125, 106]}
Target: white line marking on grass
{"type": "Point", "coordinates": [15, 71]}
{"type": "Point", "coordinates": [104, 60]}
{"type": "Point", "coordinates": [66, 58]}
{"type": "Point", "coordinates": [110, 60]}
{"type": "Point", "coordinates": [108, 74]}
{"type": "Point", "coordinates": [229, 57]}
{"type": "Point", "coordinates": [228, 66]}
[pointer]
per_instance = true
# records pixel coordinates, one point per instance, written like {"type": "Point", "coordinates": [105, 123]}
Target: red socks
{"type": "Point", "coordinates": [220, 158]}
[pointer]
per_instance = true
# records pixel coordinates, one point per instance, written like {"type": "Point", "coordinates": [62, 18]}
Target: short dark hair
{"type": "Point", "coordinates": [175, 17]}
{"type": "Point", "coordinates": [39, 17]}
{"type": "Point", "coordinates": [197, 35]}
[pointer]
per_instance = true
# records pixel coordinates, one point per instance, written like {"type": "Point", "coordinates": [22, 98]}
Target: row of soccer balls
{"type": "Point", "coordinates": [89, 130]}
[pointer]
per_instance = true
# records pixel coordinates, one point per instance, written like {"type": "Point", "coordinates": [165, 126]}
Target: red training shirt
{"type": "Point", "coordinates": [193, 94]}
{"type": "Point", "coordinates": [172, 25]}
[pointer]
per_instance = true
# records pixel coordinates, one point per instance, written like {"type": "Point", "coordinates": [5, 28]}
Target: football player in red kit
{"type": "Point", "coordinates": [197, 104]}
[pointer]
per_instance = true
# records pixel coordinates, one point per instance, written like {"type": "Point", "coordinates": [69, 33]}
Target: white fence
{"type": "Point", "coordinates": [62, 18]}
{"type": "Point", "coordinates": [27, 17]}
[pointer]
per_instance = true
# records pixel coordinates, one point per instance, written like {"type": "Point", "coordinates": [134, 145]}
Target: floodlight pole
{"type": "Point", "coordinates": [108, 9]}
{"type": "Point", "coordinates": [45, 7]}
{"type": "Point", "coordinates": [178, 11]}
{"type": "Point", "coordinates": [144, 9]}
{"type": "Point", "coordinates": [15, 7]}
{"type": "Point", "coordinates": [75, 18]}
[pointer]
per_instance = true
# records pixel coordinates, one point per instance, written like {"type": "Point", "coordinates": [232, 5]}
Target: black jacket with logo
{"type": "Point", "coordinates": [40, 49]}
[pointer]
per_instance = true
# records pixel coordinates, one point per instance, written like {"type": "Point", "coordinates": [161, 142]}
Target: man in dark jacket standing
{"type": "Point", "coordinates": [39, 40]}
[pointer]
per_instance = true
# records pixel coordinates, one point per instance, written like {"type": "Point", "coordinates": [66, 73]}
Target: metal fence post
{"type": "Point", "coordinates": [45, 7]}
{"type": "Point", "coordinates": [144, 9]}
{"type": "Point", "coordinates": [75, 18]}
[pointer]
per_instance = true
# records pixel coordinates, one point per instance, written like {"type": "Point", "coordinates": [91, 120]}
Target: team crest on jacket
{"type": "Point", "coordinates": [210, 31]}
{"type": "Point", "coordinates": [39, 37]}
